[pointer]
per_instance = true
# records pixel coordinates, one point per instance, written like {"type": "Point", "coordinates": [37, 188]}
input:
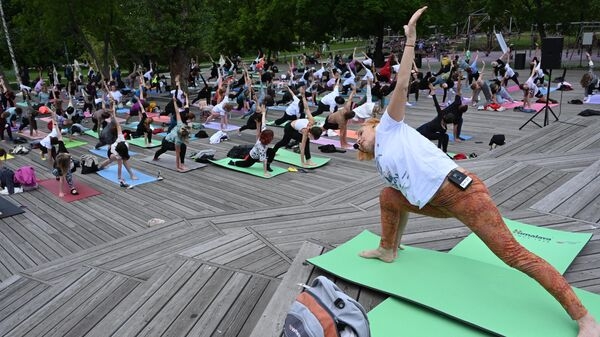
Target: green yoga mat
{"type": "Point", "coordinates": [559, 248]}
{"type": "Point", "coordinates": [91, 133]}
{"type": "Point", "coordinates": [496, 299]}
{"type": "Point", "coordinates": [140, 142]}
{"type": "Point", "coordinates": [255, 170]}
{"type": "Point", "coordinates": [394, 317]}
{"type": "Point", "coordinates": [290, 157]}
{"type": "Point", "coordinates": [73, 143]}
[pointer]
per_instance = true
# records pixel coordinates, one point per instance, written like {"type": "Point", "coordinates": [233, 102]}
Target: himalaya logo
{"type": "Point", "coordinates": [291, 328]}
{"type": "Point", "coordinates": [518, 232]}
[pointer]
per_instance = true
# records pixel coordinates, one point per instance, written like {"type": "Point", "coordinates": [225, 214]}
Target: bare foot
{"type": "Point", "coordinates": [385, 255]}
{"type": "Point", "coordinates": [588, 327]}
{"type": "Point", "coordinates": [309, 163]}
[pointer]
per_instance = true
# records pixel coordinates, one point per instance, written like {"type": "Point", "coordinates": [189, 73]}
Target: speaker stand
{"type": "Point", "coordinates": [545, 109]}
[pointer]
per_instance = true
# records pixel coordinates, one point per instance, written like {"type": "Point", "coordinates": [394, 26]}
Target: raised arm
{"type": "Point", "coordinates": [397, 106]}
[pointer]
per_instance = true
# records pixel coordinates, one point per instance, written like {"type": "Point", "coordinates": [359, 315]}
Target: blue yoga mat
{"type": "Point", "coordinates": [101, 152]}
{"type": "Point", "coordinates": [110, 173]}
{"type": "Point", "coordinates": [465, 137]}
{"type": "Point", "coordinates": [544, 90]}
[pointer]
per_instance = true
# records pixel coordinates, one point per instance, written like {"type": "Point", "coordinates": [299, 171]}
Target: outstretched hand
{"type": "Point", "coordinates": [410, 29]}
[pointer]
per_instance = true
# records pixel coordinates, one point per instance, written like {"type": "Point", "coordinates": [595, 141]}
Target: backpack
{"type": "Point", "coordinates": [329, 148]}
{"type": "Point", "coordinates": [89, 163]}
{"type": "Point", "coordinates": [26, 176]}
{"type": "Point", "coordinates": [20, 149]}
{"type": "Point", "coordinates": [204, 156]}
{"type": "Point", "coordinates": [239, 151]}
{"type": "Point", "coordinates": [323, 310]}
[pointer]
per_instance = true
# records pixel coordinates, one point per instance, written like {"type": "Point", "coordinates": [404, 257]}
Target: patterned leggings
{"type": "Point", "coordinates": [475, 208]}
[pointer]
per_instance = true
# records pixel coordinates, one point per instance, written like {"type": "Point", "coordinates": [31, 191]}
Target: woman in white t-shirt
{"type": "Point", "coordinates": [421, 179]}
{"type": "Point", "coordinates": [301, 130]}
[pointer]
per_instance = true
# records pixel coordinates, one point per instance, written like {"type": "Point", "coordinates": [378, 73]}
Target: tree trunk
{"type": "Point", "coordinates": [378, 53]}
{"type": "Point", "coordinates": [81, 35]}
{"type": "Point", "coordinates": [178, 63]}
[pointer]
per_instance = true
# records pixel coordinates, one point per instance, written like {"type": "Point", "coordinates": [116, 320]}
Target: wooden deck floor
{"type": "Point", "coordinates": [231, 243]}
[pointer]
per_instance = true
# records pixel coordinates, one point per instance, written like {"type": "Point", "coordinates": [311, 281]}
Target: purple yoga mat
{"type": "Point", "coordinates": [217, 126]}
{"type": "Point", "coordinates": [327, 141]}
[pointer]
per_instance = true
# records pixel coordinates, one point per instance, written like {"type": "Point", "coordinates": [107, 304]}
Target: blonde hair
{"type": "Point", "coordinates": [372, 122]}
{"type": "Point", "coordinates": [63, 163]}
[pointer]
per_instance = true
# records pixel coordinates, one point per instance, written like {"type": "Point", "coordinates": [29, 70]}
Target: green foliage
{"type": "Point", "coordinates": [167, 32]}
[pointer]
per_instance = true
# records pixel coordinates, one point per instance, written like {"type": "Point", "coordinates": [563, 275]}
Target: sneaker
{"type": "Point", "coordinates": [429, 96]}
{"type": "Point", "coordinates": [123, 183]}
{"type": "Point", "coordinates": [408, 104]}
{"type": "Point", "coordinates": [159, 177]}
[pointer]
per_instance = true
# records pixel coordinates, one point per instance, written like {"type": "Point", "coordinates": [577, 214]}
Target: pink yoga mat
{"type": "Point", "coordinates": [513, 88]}
{"type": "Point", "coordinates": [84, 190]}
{"type": "Point", "coordinates": [329, 141]}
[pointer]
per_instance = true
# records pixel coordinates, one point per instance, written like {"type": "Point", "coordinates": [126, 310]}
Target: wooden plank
{"type": "Point", "coordinates": [569, 189]}
{"type": "Point", "coordinates": [271, 321]}
{"type": "Point", "coordinates": [99, 309]}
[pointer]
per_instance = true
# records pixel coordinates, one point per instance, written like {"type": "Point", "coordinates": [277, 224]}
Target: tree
{"type": "Point", "coordinates": [184, 26]}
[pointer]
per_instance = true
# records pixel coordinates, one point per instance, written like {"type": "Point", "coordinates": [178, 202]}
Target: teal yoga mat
{"type": "Point", "coordinates": [290, 157]}
{"type": "Point", "coordinates": [465, 137]}
{"type": "Point", "coordinates": [255, 170]}
{"type": "Point", "coordinates": [140, 142]}
{"type": "Point", "coordinates": [496, 299]}
{"type": "Point", "coordinates": [91, 133]}
{"type": "Point", "coordinates": [559, 248]}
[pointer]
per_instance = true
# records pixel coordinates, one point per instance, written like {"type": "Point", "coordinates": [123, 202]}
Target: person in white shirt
{"type": "Point", "coordinates": [423, 180]}
{"type": "Point", "coordinates": [301, 130]}
{"type": "Point", "coordinates": [331, 101]}
{"type": "Point", "coordinates": [531, 90]}
{"type": "Point", "coordinates": [294, 110]}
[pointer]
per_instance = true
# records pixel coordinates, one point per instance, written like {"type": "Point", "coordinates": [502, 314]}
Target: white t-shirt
{"type": "Point", "coordinates": [259, 151]}
{"type": "Point", "coordinates": [219, 107]}
{"type": "Point", "coordinates": [509, 71]}
{"type": "Point", "coordinates": [410, 162]}
{"type": "Point", "coordinates": [45, 142]}
{"type": "Point", "coordinates": [368, 75]}
{"type": "Point", "coordinates": [113, 146]}
{"type": "Point", "coordinates": [329, 99]}
{"type": "Point", "coordinates": [300, 124]}
{"type": "Point", "coordinates": [294, 108]}
{"type": "Point", "coordinates": [533, 89]}
{"type": "Point", "coordinates": [117, 95]}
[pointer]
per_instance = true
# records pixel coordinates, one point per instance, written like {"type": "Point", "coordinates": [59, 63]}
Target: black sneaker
{"type": "Point", "coordinates": [231, 162]}
{"type": "Point", "coordinates": [123, 184]}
